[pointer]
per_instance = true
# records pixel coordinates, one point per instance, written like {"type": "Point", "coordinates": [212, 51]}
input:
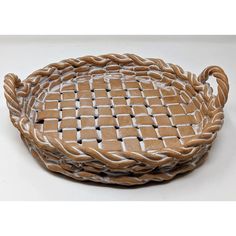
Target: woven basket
{"type": "Point", "coordinates": [118, 119]}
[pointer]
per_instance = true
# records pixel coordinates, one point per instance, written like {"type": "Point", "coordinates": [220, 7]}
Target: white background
{"type": "Point", "coordinates": [22, 178]}
{"type": "Point", "coordinates": [120, 17]}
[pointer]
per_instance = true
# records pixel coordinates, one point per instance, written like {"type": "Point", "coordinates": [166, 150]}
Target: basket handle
{"type": "Point", "coordinates": [11, 83]}
{"type": "Point", "coordinates": [222, 80]}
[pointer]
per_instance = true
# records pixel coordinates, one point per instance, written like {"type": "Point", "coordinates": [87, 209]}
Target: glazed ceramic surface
{"type": "Point", "coordinates": [118, 119]}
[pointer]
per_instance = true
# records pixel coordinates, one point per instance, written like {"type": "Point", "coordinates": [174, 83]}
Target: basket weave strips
{"type": "Point", "coordinates": [118, 119]}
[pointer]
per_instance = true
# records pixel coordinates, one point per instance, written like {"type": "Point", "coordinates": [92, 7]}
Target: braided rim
{"type": "Point", "coordinates": [125, 180]}
{"type": "Point", "coordinates": [15, 91]}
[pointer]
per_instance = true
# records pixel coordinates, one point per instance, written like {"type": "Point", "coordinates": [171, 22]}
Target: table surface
{"type": "Point", "coordinates": [22, 178]}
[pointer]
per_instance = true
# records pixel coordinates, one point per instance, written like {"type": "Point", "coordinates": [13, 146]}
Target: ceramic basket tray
{"type": "Point", "coordinates": [118, 119]}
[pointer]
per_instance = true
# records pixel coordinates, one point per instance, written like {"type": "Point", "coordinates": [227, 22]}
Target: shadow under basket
{"type": "Point", "coordinates": [117, 119]}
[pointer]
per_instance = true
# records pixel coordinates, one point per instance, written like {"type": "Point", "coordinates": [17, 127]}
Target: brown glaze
{"type": "Point", "coordinates": [117, 118]}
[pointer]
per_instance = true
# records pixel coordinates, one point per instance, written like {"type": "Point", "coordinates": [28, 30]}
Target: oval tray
{"type": "Point", "coordinates": [118, 119]}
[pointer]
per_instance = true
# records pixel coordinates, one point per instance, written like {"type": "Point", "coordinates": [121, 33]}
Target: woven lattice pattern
{"type": "Point", "coordinates": [118, 113]}
{"type": "Point", "coordinates": [118, 119]}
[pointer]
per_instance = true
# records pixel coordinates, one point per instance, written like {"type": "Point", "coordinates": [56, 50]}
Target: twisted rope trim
{"type": "Point", "coordinates": [15, 91]}
{"type": "Point", "coordinates": [125, 180]}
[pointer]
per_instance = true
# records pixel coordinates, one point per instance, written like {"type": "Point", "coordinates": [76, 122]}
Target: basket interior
{"type": "Point", "coordinates": [117, 112]}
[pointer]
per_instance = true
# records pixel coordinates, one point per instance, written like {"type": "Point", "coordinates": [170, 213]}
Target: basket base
{"type": "Point", "coordinates": [46, 159]}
